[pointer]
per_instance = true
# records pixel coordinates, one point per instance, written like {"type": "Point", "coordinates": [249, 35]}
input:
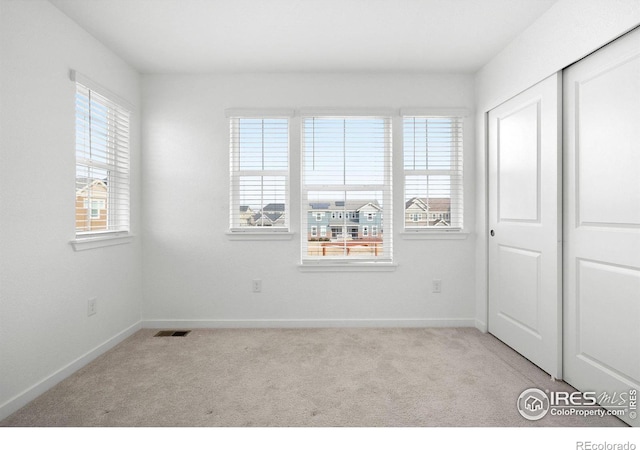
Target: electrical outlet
{"type": "Point", "coordinates": [256, 285]}
{"type": "Point", "coordinates": [437, 286]}
{"type": "Point", "coordinates": [92, 307]}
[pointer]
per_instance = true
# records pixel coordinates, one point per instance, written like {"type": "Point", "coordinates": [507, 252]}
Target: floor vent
{"type": "Point", "coordinates": [172, 333]}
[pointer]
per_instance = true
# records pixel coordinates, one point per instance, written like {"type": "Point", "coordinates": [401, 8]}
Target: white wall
{"type": "Point", "coordinates": [193, 273]}
{"type": "Point", "coordinates": [568, 31]}
{"type": "Point", "coordinates": [45, 333]}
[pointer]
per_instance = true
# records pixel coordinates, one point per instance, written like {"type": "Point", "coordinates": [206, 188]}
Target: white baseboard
{"type": "Point", "coordinates": [41, 387]}
{"type": "Point", "coordinates": [482, 326]}
{"type": "Point", "coordinates": [310, 323]}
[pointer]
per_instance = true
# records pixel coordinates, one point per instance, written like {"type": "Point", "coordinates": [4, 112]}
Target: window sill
{"type": "Point", "coordinates": [434, 235]}
{"type": "Point", "coordinates": [347, 267]}
{"type": "Point", "coordinates": [91, 242]}
{"type": "Point", "coordinates": [259, 236]}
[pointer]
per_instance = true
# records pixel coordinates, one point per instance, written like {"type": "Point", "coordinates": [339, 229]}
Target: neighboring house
{"type": "Point", "coordinates": [427, 212]}
{"type": "Point", "coordinates": [91, 204]}
{"type": "Point", "coordinates": [340, 220]}
{"type": "Point", "coordinates": [268, 219]}
{"type": "Point", "coordinates": [272, 215]}
{"type": "Point", "coordinates": [246, 216]}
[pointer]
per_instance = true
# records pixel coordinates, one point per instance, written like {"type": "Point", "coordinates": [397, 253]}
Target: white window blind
{"type": "Point", "coordinates": [102, 164]}
{"type": "Point", "coordinates": [346, 188]}
{"type": "Point", "coordinates": [433, 177]}
{"type": "Point", "coordinates": [259, 173]}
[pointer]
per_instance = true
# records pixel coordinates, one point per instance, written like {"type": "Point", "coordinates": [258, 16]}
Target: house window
{"type": "Point", "coordinates": [314, 231]}
{"type": "Point", "coordinates": [365, 231]}
{"type": "Point", "coordinates": [374, 231]}
{"type": "Point", "coordinates": [347, 167]}
{"type": "Point", "coordinates": [102, 161]}
{"type": "Point", "coordinates": [433, 177]}
{"type": "Point", "coordinates": [96, 208]}
{"type": "Point", "coordinates": [323, 231]}
{"type": "Point", "coordinates": [318, 217]}
{"type": "Point", "coordinates": [259, 161]}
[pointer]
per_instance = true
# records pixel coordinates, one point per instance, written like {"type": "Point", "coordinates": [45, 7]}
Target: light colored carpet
{"type": "Point", "coordinates": [383, 377]}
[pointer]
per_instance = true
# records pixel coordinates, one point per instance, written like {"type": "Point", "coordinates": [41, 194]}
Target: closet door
{"type": "Point", "coordinates": [524, 218]}
{"type": "Point", "coordinates": [602, 224]}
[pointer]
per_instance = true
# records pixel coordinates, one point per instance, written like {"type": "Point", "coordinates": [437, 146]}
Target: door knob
{"type": "Point", "coordinates": [492, 233]}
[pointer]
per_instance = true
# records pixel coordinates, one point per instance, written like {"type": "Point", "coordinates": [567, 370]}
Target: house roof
{"type": "Point", "coordinates": [85, 183]}
{"type": "Point", "coordinates": [272, 216]}
{"type": "Point", "coordinates": [274, 207]}
{"type": "Point", "coordinates": [430, 203]}
{"type": "Point", "coordinates": [350, 205]}
{"type": "Point", "coordinates": [320, 205]}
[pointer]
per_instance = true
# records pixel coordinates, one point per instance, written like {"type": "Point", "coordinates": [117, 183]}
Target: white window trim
{"type": "Point", "coordinates": [405, 234]}
{"type": "Point", "coordinates": [433, 233]}
{"type": "Point", "coordinates": [341, 264]}
{"type": "Point", "coordinates": [356, 266]}
{"type": "Point", "coordinates": [99, 239]}
{"type": "Point", "coordinates": [265, 233]}
{"type": "Point", "coordinates": [435, 112]}
{"type": "Point", "coordinates": [99, 89]}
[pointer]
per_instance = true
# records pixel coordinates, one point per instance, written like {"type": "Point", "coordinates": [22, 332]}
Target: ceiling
{"type": "Point", "coordinates": [202, 36]}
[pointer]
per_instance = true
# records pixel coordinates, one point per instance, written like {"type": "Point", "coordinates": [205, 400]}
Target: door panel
{"type": "Point", "coordinates": [602, 224]}
{"type": "Point", "coordinates": [524, 204]}
{"type": "Point", "coordinates": [518, 166]}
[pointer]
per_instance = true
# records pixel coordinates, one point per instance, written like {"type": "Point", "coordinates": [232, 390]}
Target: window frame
{"type": "Point", "coordinates": [235, 231]}
{"type": "Point", "coordinates": [346, 262]}
{"type": "Point", "coordinates": [456, 203]}
{"type": "Point", "coordinates": [117, 162]}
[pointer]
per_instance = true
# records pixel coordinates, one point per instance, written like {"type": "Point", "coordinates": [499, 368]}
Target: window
{"type": "Point", "coordinates": [314, 231]}
{"type": "Point", "coordinates": [259, 163]}
{"type": "Point", "coordinates": [97, 207]}
{"type": "Point", "coordinates": [347, 175]}
{"type": "Point", "coordinates": [323, 231]}
{"type": "Point", "coordinates": [374, 231]}
{"type": "Point", "coordinates": [102, 161]}
{"type": "Point", "coordinates": [433, 183]}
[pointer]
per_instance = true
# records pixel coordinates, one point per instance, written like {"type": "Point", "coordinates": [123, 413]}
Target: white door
{"type": "Point", "coordinates": [525, 304]}
{"type": "Point", "coordinates": [602, 224]}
